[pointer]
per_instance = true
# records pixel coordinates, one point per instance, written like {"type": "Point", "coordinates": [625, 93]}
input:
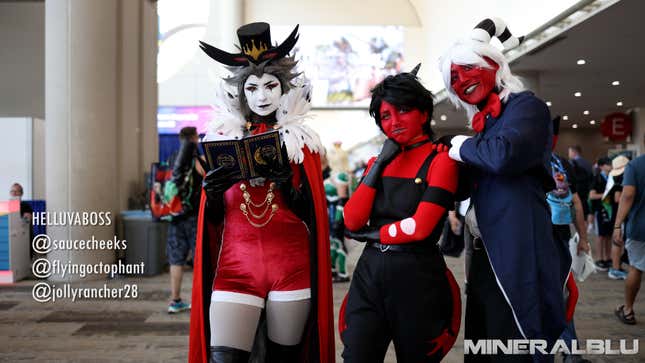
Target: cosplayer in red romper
{"type": "Point", "coordinates": [262, 285]}
{"type": "Point", "coordinates": [402, 290]}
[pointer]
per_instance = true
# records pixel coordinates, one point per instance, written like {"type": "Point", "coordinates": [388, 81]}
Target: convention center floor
{"type": "Point", "coordinates": [140, 330]}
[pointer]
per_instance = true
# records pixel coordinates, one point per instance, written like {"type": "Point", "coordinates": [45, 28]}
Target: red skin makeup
{"type": "Point", "coordinates": [473, 84]}
{"type": "Point", "coordinates": [403, 125]}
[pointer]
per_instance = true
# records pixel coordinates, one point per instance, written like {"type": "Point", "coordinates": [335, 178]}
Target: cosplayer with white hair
{"type": "Point", "coordinates": [472, 51]}
{"type": "Point", "coordinates": [517, 271]}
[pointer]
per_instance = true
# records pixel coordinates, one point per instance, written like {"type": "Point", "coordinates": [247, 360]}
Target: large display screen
{"type": "Point", "coordinates": [345, 62]}
{"type": "Point", "coordinates": [171, 119]}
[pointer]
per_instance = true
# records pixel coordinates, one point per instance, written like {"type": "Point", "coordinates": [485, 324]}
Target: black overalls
{"type": "Point", "coordinates": [398, 293]}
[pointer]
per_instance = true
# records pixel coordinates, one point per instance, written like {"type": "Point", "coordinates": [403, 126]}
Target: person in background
{"type": "Point", "coordinates": [602, 211]}
{"type": "Point", "coordinates": [632, 204]}
{"type": "Point", "coordinates": [338, 158]}
{"type": "Point", "coordinates": [26, 212]}
{"type": "Point", "coordinates": [567, 209]}
{"type": "Point", "coordinates": [16, 192]}
{"type": "Point", "coordinates": [183, 227]}
{"type": "Point", "coordinates": [583, 174]}
{"type": "Point", "coordinates": [337, 194]}
{"type": "Point", "coordinates": [358, 171]}
{"type": "Point", "coordinates": [613, 193]}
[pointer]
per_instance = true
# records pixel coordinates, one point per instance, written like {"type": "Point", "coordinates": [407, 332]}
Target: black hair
{"type": "Point", "coordinates": [187, 132]}
{"type": "Point", "coordinates": [605, 160]}
{"type": "Point", "coordinates": [576, 148]}
{"type": "Point", "coordinates": [403, 89]}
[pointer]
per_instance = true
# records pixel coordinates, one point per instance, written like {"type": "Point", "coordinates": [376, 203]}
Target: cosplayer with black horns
{"type": "Point", "coordinates": [401, 290]}
{"type": "Point", "coordinates": [262, 284]}
{"type": "Point", "coordinates": [517, 274]}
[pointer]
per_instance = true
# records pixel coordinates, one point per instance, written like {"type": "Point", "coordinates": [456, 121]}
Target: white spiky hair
{"type": "Point", "coordinates": [472, 52]}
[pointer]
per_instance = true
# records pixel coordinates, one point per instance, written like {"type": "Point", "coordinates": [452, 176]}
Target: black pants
{"type": "Point", "coordinates": [396, 296]}
{"type": "Point", "coordinates": [488, 315]}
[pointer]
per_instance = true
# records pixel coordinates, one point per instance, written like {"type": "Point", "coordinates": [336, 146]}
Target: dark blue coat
{"type": "Point", "coordinates": [513, 216]}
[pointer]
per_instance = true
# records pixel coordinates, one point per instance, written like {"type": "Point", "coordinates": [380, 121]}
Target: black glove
{"type": "Point", "coordinates": [389, 151]}
{"type": "Point", "coordinates": [365, 234]}
{"type": "Point", "coordinates": [217, 181]}
{"type": "Point", "coordinates": [273, 170]}
{"type": "Point", "coordinates": [445, 140]}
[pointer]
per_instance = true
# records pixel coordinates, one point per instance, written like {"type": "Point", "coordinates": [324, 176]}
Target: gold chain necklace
{"type": "Point", "coordinates": [246, 209]}
{"type": "Point", "coordinates": [267, 199]}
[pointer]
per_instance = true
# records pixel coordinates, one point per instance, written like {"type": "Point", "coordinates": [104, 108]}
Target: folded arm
{"type": "Point", "coordinates": [437, 199]}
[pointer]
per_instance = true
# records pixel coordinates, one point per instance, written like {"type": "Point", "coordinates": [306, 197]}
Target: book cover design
{"type": "Point", "coordinates": [247, 154]}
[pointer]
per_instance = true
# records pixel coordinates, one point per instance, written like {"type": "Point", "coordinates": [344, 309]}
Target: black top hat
{"type": "Point", "coordinates": [255, 42]}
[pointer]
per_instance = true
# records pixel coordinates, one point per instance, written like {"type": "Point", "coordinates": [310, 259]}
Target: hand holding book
{"type": "Point", "coordinates": [273, 169]}
{"type": "Point", "coordinates": [251, 157]}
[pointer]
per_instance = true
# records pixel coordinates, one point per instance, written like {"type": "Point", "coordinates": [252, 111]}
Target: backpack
{"type": "Point", "coordinates": [560, 199]}
{"type": "Point", "coordinates": [163, 205]}
{"type": "Point", "coordinates": [584, 178]}
{"type": "Point", "coordinates": [168, 197]}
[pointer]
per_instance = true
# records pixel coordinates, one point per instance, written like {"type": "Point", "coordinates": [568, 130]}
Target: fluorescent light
{"type": "Point", "coordinates": [575, 126]}
{"type": "Point", "coordinates": [443, 118]}
{"type": "Point", "coordinates": [615, 83]}
{"type": "Point", "coordinates": [433, 123]}
{"type": "Point", "coordinates": [565, 117]}
{"type": "Point", "coordinates": [586, 112]}
{"type": "Point", "coordinates": [548, 103]}
{"type": "Point", "coordinates": [581, 62]}
{"type": "Point", "coordinates": [619, 103]}
{"type": "Point", "coordinates": [578, 94]}
{"type": "Point", "coordinates": [592, 122]}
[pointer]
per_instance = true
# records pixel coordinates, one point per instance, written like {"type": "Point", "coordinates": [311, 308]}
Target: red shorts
{"type": "Point", "coordinates": [259, 263]}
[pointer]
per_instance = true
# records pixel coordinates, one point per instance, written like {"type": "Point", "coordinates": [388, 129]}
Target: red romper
{"type": "Point", "coordinates": [265, 252]}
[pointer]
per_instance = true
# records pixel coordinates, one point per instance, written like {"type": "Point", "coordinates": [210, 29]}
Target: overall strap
{"type": "Point", "coordinates": [423, 171]}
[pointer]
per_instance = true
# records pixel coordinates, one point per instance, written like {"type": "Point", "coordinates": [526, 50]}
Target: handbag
{"type": "Point", "coordinates": [582, 265]}
{"type": "Point", "coordinates": [451, 244]}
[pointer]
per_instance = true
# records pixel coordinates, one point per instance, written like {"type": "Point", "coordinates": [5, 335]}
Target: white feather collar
{"type": "Point", "coordinates": [228, 121]}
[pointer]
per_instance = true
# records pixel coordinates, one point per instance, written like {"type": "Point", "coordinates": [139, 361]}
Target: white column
{"type": "Point", "coordinates": [229, 16]}
{"type": "Point", "coordinates": [225, 17]}
{"type": "Point", "coordinates": [137, 95]}
{"type": "Point", "coordinates": [100, 110]}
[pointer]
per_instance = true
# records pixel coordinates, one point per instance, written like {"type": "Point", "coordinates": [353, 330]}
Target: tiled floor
{"type": "Point", "coordinates": [141, 331]}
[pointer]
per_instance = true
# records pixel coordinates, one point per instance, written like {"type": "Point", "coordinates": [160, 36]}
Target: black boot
{"type": "Point", "coordinates": [228, 355]}
{"type": "Point", "coordinates": [278, 353]}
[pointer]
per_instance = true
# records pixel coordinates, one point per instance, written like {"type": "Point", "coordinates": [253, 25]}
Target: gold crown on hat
{"type": "Point", "coordinates": [254, 52]}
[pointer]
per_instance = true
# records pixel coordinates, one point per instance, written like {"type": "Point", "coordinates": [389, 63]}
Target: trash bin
{"type": "Point", "coordinates": [146, 240]}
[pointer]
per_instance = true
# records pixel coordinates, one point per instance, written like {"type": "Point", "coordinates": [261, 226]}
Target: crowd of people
{"type": "Point", "coordinates": [613, 194]}
{"type": "Point", "coordinates": [600, 187]}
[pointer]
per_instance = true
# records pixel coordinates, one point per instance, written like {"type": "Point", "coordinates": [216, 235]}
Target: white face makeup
{"type": "Point", "coordinates": [262, 94]}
